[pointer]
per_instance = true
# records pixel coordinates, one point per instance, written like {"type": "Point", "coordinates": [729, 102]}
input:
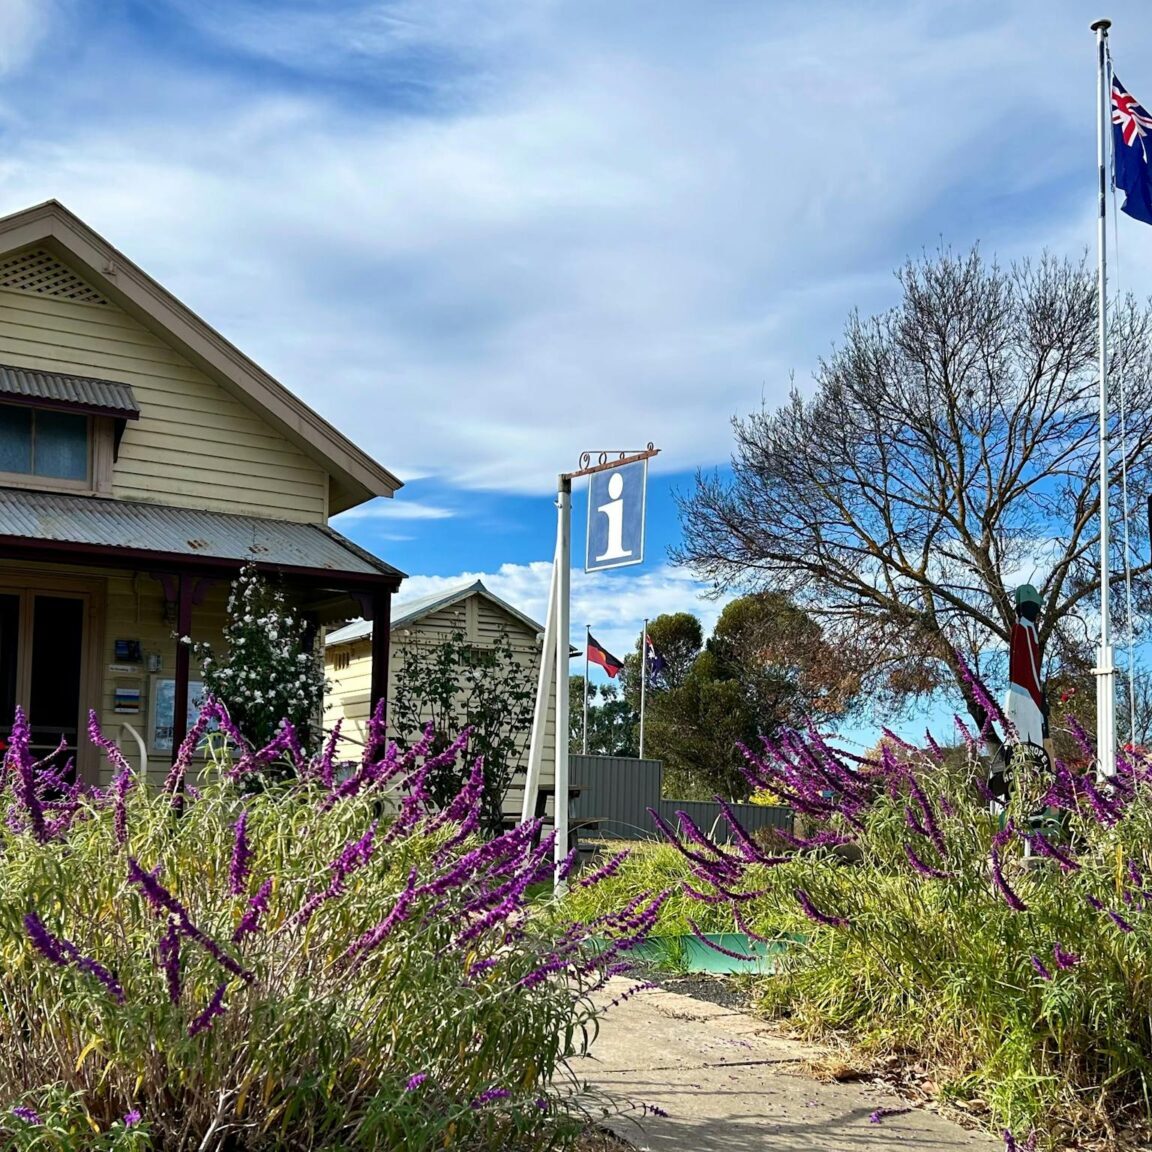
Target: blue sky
{"type": "Point", "coordinates": [482, 236]}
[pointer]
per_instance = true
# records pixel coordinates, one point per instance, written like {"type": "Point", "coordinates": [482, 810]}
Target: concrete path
{"type": "Point", "coordinates": [728, 1084]}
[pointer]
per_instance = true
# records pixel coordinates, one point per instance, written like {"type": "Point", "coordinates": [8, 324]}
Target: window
{"type": "Point", "coordinates": [43, 443]}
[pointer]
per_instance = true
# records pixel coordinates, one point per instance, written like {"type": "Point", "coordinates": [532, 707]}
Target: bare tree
{"type": "Point", "coordinates": [948, 453]}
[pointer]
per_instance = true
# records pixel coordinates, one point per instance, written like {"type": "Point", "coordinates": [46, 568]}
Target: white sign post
{"type": "Point", "coordinates": [616, 491]}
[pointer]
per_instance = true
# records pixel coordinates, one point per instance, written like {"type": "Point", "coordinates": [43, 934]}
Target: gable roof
{"type": "Point", "coordinates": [408, 611]}
{"type": "Point", "coordinates": [354, 475]}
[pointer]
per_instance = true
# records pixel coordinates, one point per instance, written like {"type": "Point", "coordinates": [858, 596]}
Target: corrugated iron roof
{"type": "Point", "coordinates": [84, 392]}
{"type": "Point", "coordinates": [116, 524]}
{"type": "Point", "coordinates": [406, 611]}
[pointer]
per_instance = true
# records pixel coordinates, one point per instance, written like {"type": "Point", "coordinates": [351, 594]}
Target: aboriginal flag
{"type": "Point", "coordinates": [598, 654]}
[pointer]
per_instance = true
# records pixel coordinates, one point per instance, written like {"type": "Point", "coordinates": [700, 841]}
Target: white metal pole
{"type": "Point", "coordinates": [563, 641]}
{"type": "Point", "coordinates": [643, 680]}
{"type": "Point", "coordinates": [587, 635]}
{"type": "Point", "coordinates": [543, 695]}
{"type": "Point", "coordinates": [1105, 670]}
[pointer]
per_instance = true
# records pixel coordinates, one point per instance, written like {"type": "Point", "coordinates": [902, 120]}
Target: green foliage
{"type": "Point", "coordinates": [317, 1043]}
{"type": "Point", "coordinates": [269, 670]}
{"type": "Point", "coordinates": [454, 685]}
{"type": "Point", "coordinates": [612, 723]}
{"type": "Point", "coordinates": [1034, 1018]}
{"type": "Point", "coordinates": [766, 665]}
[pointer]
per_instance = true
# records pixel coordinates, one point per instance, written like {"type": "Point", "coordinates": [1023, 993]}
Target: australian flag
{"type": "Point", "coordinates": [1130, 125]}
{"type": "Point", "coordinates": [656, 662]}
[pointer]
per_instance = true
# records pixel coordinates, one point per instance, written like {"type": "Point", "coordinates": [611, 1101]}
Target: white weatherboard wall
{"type": "Point", "coordinates": [348, 667]}
{"type": "Point", "coordinates": [195, 445]}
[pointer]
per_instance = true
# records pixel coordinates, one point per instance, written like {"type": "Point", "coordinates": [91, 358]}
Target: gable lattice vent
{"type": "Point", "coordinates": [40, 272]}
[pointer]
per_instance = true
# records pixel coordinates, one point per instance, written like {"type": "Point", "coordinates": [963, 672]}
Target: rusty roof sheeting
{"type": "Point", "coordinates": [84, 392]}
{"type": "Point", "coordinates": [191, 532]}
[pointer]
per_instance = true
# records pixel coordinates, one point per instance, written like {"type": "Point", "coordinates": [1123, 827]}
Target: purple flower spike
{"type": "Point", "coordinates": [257, 906]}
{"type": "Point", "coordinates": [241, 857]}
{"type": "Point", "coordinates": [43, 940]}
{"type": "Point", "coordinates": [489, 1096]}
{"type": "Point", "coordinates": [1064, 959]}
{"type": "Point", "coordinates": [1010, 897]}
{"type": "Point", "coordinates": [414, 1082]}
{"type": "Point", "coordinates": [28, 1115]}
{"type": "Point", "coordinates": [131, 1119]}
{"type": "Point", "coordinates": [814, 913]}
{"type": "Point", "coordinates": [883, 1113]}
{"type": "Point", "coordinates": [169, 950]}
{"type": "Point", "coordinates": [1041, 970]}
{"type": "Point", "coordinates": [215, 1008]}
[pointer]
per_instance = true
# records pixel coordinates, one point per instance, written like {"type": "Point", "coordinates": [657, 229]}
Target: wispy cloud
{"type": "Point", "coordinates": [393, 509]}
{"type": "Point", "coordinates": [483, 237]}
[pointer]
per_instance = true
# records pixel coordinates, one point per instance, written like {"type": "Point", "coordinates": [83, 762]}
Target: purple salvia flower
{"type": "Point", "coordinates": [716, 947]}
{"type": "Point", "coordinates": [28, 1115]}
{"type": "Point", "coordinates": [1010, 897]}
{"type": "Point", "coordinates": [360, 948]}
{"type": "Point", "coordinates": [609, 868]}
{"type": "Point", "coordinates": [935, 752]}
{"type": "Point", "coordinates": [257, 906]}
{"type": "Point", "coordinates": [923, 868]}
{"type": "Point", "coordinates": [1119, 921]}
{"type": "Point", "coordinates": [132, 1118]}
{"type": "Point", "coordinates": [174, 781]}
{"type": "Point", "coordinates": [1044, 847]}
{"type": "Point", "coordinates": [489, 1096]}
{"type": "Point", "coordinates": [568, 863]}
{"type": "Point", "coordinates": [63, 952]}
{"type": "Point", "coordinates": [814, 913]}
{"type": "Point", "coordinates": [162, 900]}
{"type": "Point", "coordinates": [27, 792]}
{"type": "Point", "coordinates": [215, 1008]}
{"type": "Point", "coordinates": [1064, 959]}
{"type": "Point", "coordinates": [981, 695]}
{"type": "Point", "coordinates": [1134, 873]}
{"type": "Point", "coordinates": [702, 897]}
{"type": "Point", "coordinates": [1041, 970]}
{"type": "Point", "coordinates": [43, 940]}
{"type": "Point", "coordinates": [169, 950]}
{"type": "Point", "coordinates": [241, 857]}
{"type": "Point", "coordinates": [1094, 902]}
{"type": "Point", "coordinates": [415, 1081]}
{"type": "Point", "coordinates": [1081, 737]}
{"type": "Point", "coordinates": [744, 927]}
{"type": "Point", "coordinates": [881, 1114]}
{"type": "Point", "coordinates": [327, 762]}
{"type": "Point", "coordinates": [355, 855]}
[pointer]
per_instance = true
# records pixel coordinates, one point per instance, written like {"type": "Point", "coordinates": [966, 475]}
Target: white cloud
{"type": "Point", "coordinates": [26, 23]}
{"type": "Point", "coordinates": [392, 509]}
{"type": "Point", "coordinates": [590, 227]}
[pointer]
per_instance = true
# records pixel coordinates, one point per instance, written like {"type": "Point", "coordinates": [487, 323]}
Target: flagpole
{"type": "Point", "coordinates": [1105, 671]}
{"type": "Point", "coordinates": [587, 635]}
{"type": "Point", "coordinates": [643, 680]}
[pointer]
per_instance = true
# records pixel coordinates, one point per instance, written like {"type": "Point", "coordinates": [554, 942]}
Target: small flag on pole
{"type": "Point", "coordinates": [598, 654]}
{"type": "Point", "coordinates": [1130, 124]}
{"type": "Point", "coordinates": [656, 662]}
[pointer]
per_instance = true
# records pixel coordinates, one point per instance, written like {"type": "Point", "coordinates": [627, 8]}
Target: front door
{"type": "Point", "coordinates": [43, 647]}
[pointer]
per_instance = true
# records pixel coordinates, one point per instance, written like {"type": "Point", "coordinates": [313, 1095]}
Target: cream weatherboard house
{"type": "Point", "coordinates": [471, 610]}
{"type": "Point", "coordinates": [143, 460]}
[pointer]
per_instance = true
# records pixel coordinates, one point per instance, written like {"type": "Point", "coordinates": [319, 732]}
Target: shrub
{"type": "Point", "coordinates": [1010, 949]}
{"type": "Point", "coordinates": [269, 670]}
{"type": "Point", "coordinates": [194, 968]}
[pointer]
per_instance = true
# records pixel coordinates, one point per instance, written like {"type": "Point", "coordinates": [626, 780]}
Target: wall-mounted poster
{"type": "Point", "coordinates": [163, 711]}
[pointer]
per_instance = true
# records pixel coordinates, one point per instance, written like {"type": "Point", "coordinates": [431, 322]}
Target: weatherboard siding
{"type": "Point", "coordinates": [195, 445]}
{"type": "Point", "coordinates": [479, 619]}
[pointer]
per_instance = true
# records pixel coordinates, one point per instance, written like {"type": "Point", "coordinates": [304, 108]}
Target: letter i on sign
{"type": "Point", "coordinates": [614, 511]}
{"type": "Point", "coordinates": [616, 499]}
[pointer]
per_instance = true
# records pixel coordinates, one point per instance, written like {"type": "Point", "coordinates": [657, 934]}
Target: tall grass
{"type": "Point", "coordinates": [1011, 948]}
{"type": "Point", "coordinates": [303, 967]}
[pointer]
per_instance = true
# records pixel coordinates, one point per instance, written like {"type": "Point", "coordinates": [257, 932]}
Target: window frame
{"type": "Point", "coordinates": [101, 437]}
